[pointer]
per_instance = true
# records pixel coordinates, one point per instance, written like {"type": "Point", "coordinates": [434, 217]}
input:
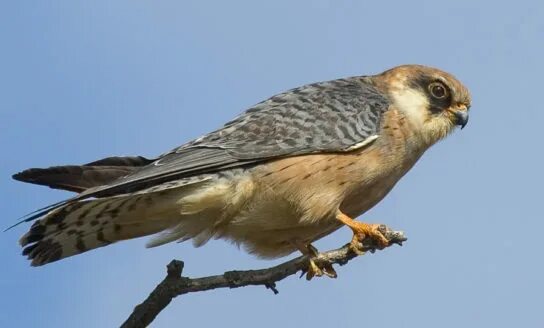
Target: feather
{"type": "Point", "coordinates": [78, 178]}
{"type": "Point", "coordinates": [80, 226]}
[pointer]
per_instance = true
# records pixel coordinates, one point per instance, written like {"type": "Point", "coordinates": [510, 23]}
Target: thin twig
{"type": "Point", "coordinates": [174, 284]}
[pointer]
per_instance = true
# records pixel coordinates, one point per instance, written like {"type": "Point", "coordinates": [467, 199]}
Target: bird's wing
{"type": "Point", "coordinates": [78, 178]}
{"type": "Point", "coordinates": [331, 116]}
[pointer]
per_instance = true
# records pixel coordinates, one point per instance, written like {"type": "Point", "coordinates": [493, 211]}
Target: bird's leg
{"type": "Point", "coordinates": [362, 230]}
{"type": "Point", "coordinates": [313, 269]}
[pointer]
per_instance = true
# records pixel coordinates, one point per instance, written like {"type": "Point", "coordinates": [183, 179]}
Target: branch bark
{"type": "Point", "coordinates": [175, 284]}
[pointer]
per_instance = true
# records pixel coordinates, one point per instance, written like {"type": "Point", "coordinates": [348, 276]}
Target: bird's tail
{"type": "Point", "coordinates": [78, 178]}
{"type": "Point", "coordinates": [84, 225]}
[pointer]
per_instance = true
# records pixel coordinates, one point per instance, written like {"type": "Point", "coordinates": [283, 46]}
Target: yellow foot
{"type": "Point", "coordinates": [315, 270]}
{"type": "Point", "coordinates": [355, 246]}
{"type": "Point", "coordinates": [361, 231]}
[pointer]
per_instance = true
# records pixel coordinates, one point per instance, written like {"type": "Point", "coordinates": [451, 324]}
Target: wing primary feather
{"type": "Point", "coordinates": [344, 113]}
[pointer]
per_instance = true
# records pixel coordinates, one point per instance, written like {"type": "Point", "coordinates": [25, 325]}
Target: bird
{"type": "Point", "coordinates": [286, 172]}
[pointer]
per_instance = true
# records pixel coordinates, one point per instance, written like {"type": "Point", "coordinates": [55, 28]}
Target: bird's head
{"type": "Point", "coordinates": [434, 101]}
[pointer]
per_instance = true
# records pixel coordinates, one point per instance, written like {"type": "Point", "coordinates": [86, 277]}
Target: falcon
{"type": "Point", "coordinates": [285, 173]}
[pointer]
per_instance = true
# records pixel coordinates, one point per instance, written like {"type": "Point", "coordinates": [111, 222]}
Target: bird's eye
{"type": "Point", "coordinates": [438, 90]}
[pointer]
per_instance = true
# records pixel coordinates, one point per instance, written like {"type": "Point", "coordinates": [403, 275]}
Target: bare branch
{"type": "Point", "coordinates": [174, 284]}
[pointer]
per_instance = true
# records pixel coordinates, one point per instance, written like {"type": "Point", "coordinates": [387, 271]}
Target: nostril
{"type": "Point", "coordinates": [463, 106]}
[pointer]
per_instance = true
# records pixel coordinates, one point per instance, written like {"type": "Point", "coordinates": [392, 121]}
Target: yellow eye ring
{"type": "Point", "coordinates": [438, 90]}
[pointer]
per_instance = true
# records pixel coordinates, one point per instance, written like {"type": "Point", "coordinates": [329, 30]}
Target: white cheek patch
{"type": "Point", "coordinates": [412, 103]}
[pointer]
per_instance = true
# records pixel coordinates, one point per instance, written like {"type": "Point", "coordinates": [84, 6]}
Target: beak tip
{"type": "Point", "coordinates": [461, 118]}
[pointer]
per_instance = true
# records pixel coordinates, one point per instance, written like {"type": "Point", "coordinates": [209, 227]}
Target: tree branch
{"type": "Point", "coordinates": [174, 284]}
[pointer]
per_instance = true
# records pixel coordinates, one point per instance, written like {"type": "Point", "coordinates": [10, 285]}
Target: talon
{"type": "Point", "coordinates": [355, 246]}
{"type": "Point", "coordinates": [373, 232]}
{"type": "Point", "coordinates": [313, 270]}
{"type": "Point", "coordinates": [329, 271]}
{"type": "Point", "coordinates": [361, 231]}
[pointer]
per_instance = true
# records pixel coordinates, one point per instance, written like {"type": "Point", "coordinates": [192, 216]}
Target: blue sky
{"type": "Point", "coordinates": [84, 80]}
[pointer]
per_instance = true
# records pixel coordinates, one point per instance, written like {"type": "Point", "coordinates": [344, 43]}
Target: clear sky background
{"type": "Point", "coordinates": [82, 80]}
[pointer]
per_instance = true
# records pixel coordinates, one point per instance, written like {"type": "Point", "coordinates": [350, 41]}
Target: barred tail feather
{"type": "Point", "coordinates": [81, 226]}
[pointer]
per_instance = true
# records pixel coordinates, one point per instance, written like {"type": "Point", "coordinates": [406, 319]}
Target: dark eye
{"type": "Point", "coordinates": [438, 90]}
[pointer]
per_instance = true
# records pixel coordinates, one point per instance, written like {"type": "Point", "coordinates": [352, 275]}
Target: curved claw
{"type": "Point", "coordinates": [315, 270]}
{"type": "Point", "coordinates": [355, 246]}
{"type": "Point", "coordinates": [329, 271]}
{"type": "Point", "coordinates": [361, 231]}
{"type": "Point", "coordinates": [373, 232]}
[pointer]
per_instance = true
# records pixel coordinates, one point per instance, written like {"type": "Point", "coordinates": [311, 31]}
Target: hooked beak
{"type": "Point", "coordinates": [461, 118]}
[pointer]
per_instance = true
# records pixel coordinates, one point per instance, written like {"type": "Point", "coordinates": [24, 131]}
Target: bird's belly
{"type": "Point", "coordinates": [362, 199]}
{"type": "Point", "coordinates": [296, 200]}
{"type": "Point", "coordinates": [272, 230]}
